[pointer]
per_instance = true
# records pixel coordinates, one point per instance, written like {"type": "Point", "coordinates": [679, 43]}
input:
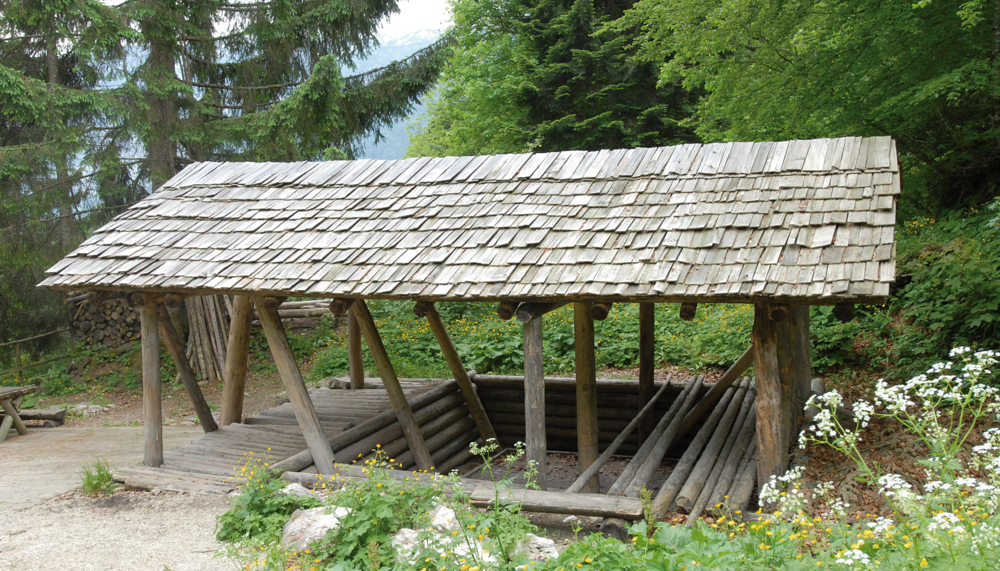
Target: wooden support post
{"type": "Point", "coordinates": [305, 412]}
{"type": "Point", "coordinates": [775, 396]}
{"type": "Point", "coordinates": [411, 431]}
{"type": "Point", "coordinates": [454, 361]}
{"type": "Point", "coordinates": [646, 366]}
{"type": "Point", "coordinates": [185, 372]}
{"type": "Point", "coordinates": [534, 398]}
{"type": "Point", "coordinates": [355, 359]}
{"type": "Point", "coordinates": [794, 362]}
{"type": "Point", "coordinates": [586, 394]}
{"type": "Point", "coordinates": [234, 379]}
{"type": "Point", "coordinates": [152, 397]}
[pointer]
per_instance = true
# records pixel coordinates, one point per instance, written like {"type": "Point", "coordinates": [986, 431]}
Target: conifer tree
{"type": "Point", "coordinates": [541, 75]}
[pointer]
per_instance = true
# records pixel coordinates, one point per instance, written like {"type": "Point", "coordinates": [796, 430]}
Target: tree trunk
{"type": "Point", "coordinates": [160, 148]}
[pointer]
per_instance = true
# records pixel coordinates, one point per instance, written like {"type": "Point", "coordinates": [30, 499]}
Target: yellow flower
{"type": "Point", "coordinates": [923, 562]}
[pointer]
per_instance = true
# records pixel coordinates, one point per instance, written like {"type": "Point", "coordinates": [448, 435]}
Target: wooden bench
{"type": "Point", "coordinates": [8, 395]}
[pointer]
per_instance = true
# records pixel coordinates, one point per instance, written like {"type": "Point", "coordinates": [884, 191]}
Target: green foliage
{"type": "Point", "coordinates": [923, 73]}
{"type": "Point", "coordinates": [379, 506]}
{"type": "Point", "coordinates": [537, 75]}
{"type": "Point", "coordinates": [260, 511]}
{"type": "Point", "coordinates": [97, 478]}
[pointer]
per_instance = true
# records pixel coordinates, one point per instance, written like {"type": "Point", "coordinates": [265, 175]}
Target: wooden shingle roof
{"type": "Point", "coordinates": [800, 221]}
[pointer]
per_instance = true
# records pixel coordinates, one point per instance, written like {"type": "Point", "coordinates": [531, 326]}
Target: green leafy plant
{"type": "Point", "coordinates": [379, 505]}
{"type": "Point", "coordinates": [260, 510]}
{"type": "Point", "coordinates": [97, 478]}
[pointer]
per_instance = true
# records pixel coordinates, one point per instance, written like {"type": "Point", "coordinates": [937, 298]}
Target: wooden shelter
{"type": "Point", "coordinates": [780, 225]}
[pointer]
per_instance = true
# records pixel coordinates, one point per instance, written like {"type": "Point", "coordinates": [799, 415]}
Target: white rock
{"type": "Point", "coordinates": [443, 519]}
{"type": "Point", "coordinates": [308, 526]}
{"type": "Point", "coordinates": [407, 544]}
{"type": "Point", "coordinates": [538, 548]}
{"type": "Point", "coordinates": [296, 489]}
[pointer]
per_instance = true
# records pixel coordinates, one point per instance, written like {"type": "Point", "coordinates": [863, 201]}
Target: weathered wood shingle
{"type": "Point", "coordinates": [795, 220]}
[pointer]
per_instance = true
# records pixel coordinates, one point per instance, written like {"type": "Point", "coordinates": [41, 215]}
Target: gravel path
{"type": "Point", "coordinates": [127, 531]}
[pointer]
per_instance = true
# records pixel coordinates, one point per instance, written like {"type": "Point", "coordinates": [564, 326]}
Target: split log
{"type": "Point", "coordinates": [393, 433]}
{"type": "Point", "coordinates": [679, 475]}
{"type": "Point", "coordinates": [707, 458]}
{"type": "Point", "coordinates": [595, 467]}
{"type": "Point", "coordinates": [36, 414]}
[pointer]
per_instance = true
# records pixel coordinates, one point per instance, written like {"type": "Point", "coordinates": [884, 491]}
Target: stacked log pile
{"type": "Point", "coordinates": [503, 399]}
{"type": "Point", "coordinates": [104, 320]}
{"type": "Point", "coordinates": [208, 332]}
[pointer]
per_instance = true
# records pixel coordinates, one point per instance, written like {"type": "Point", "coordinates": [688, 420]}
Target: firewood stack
{"type": "Point", "coordinates": [109, 322]}
{"type": "Point", "coordinates": [208, 322]}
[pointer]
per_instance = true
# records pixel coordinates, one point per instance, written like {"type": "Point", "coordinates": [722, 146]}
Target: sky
{"type": "Point", "coordinates": [414, 16]}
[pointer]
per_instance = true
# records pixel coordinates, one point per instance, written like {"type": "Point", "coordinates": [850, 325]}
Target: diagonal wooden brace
{"type": "Point", "coordinates": [421, 455]}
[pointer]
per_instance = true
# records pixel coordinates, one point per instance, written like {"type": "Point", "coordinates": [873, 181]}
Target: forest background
{"type": "Point", "coordinates": [86, 130]}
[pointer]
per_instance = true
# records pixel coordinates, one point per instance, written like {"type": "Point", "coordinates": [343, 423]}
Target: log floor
{"type": "Point", "coordinates": [212, 463]}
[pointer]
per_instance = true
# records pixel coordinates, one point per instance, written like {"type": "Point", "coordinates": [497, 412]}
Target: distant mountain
{"type": "Point", "coordinates": [396, 138]}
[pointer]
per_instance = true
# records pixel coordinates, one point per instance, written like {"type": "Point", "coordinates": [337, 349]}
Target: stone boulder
{"type": "Point", "coordinates": [308, 526]}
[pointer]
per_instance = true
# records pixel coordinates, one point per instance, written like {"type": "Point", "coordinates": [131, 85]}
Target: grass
{"type": "Point", "coordinates": [97, 478]}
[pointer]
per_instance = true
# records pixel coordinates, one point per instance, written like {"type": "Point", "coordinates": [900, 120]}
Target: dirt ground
{"type": "Point", "coordinates": [128, 531]}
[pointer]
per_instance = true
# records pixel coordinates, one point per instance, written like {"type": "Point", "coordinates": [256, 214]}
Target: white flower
{"type": "Point", "coordinates": [946, 521]}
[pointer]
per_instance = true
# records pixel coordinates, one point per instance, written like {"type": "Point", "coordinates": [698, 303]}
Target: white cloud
{"type": "Point", "coordinates": [414, 16]}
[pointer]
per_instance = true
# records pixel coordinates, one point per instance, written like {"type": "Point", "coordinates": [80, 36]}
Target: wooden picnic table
{"type": "Point", "coordinates": [8, 395]}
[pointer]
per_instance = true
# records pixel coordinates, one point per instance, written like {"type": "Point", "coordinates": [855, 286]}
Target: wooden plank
{"type": "Point", "coordinates": [647, 365]}
{"type": "Point", "coordinates": [152, 397]}
{"type": "Point", "coordinates": [586, 394]}
{"type": "Point", "coordinates": [237, 360]}
{"type": "Point", "coordinates": [184, 371]}
{"type": "Point", "coordinates": [454, 361]}
{"type": "Point", "coordinates": [534, 399]}
{"type": "Point", "coordinates": [355, 360]}
{"type": "Point", "coordinates": [774, 398]}
{"type": "Point", "coordinates": [313, 433]}
{"type": "Point", "coordinates": [395, 392]}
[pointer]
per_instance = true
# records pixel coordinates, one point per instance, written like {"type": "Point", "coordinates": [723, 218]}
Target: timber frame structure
{"type": "Point", "coordinates": [780, 225]}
